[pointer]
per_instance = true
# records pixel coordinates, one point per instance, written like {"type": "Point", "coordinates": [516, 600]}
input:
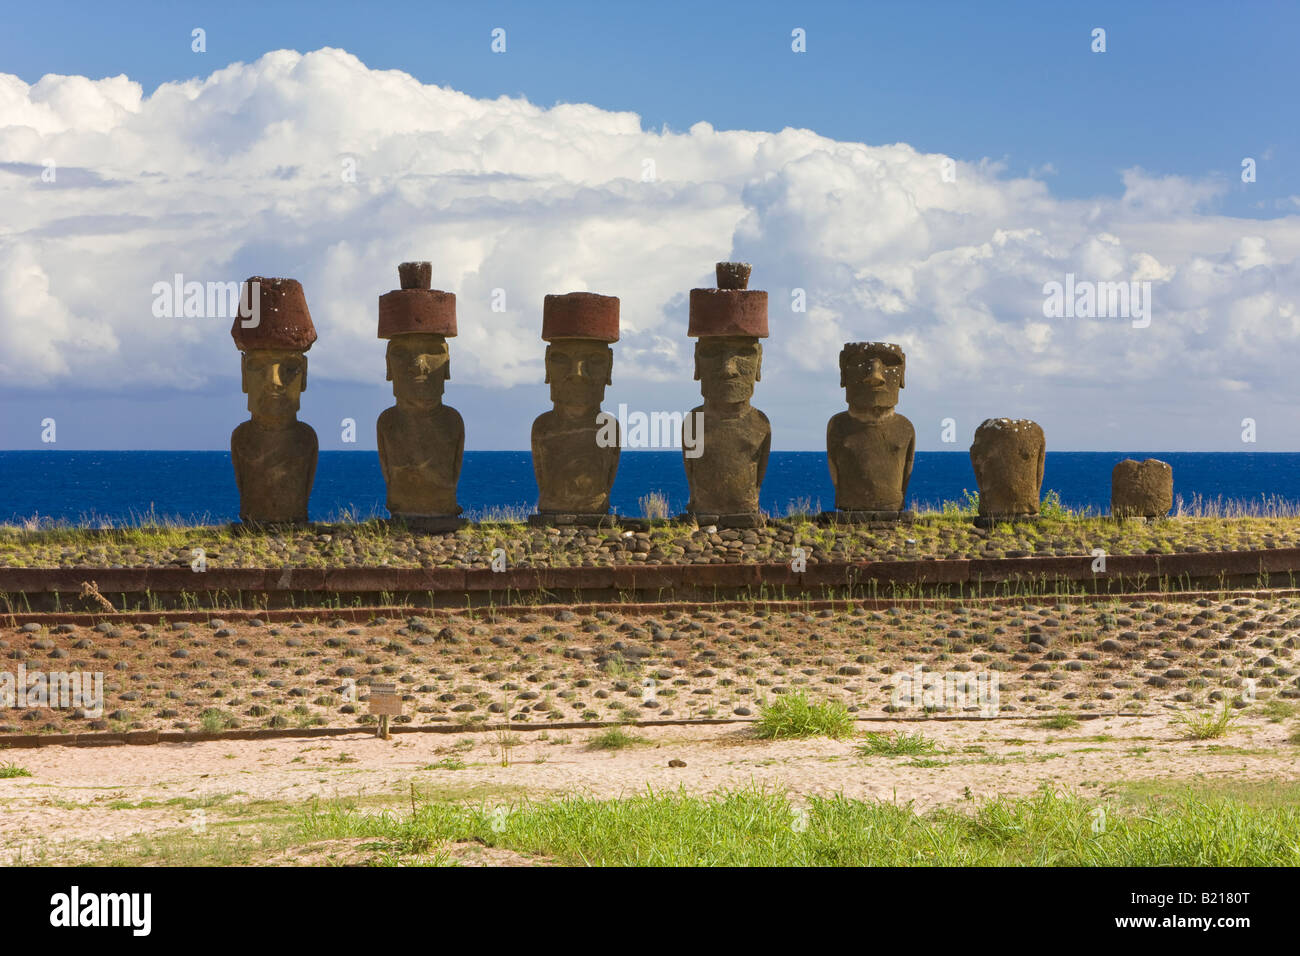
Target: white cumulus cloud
{"type": "Point", "coordinates": [250, 171]}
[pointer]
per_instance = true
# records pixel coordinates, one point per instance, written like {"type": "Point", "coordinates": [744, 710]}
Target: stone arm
{"type": "Point", "coordinates": [907, 465]}
{"type": "Point", "coordinates": [539, 456]}
{"type": "Point", "coordinates": [830, 455]}
{"type": "Point", "coordinates": [763, 451]}
{"type": "Point", "coordinates": [311, 468]}
{"type": "Point", "coordinates": [688, 461]}
{"type": "Point", "coordinates": [1042, 459]}
{"type": "Point", "coordinates": [383, 449]}
{"type": "Point", "coordinates": [460, 447]}
{"type": "Point", "coordinates": [234, 461]}
{"type": "Point", "coordinates": [614, 458]}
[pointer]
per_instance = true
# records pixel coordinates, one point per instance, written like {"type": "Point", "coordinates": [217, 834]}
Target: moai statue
{"type": "Point", "coordinates": [274, 454]}
{"type": "Point", "coordinates": [870, 447]}
{"type": "Point", "coordinates": [725, 441]}
{"type": "Point", "coordinates": [1008, 456]}
{"type": "Point", "coordinates": [575, 445]}
{"type": "Point", "coordinates": [421, 440]}
{"type": "Point", "coordinates": [1141, 489]}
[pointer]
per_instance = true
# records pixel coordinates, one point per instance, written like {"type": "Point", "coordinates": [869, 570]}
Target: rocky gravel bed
{"type": "Point", "coordinates": [1135, 657]}
{"type": "Point", "coordinates": [374, 545]}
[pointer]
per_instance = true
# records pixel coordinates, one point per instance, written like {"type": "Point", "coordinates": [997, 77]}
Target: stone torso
{"type": "Point", "coordinates": [725, 478]}
{"type": "Point", "coordinates": [274, 470]}
{"type": "Point", "coordinates": [870, 461]}
{"type": "Point", "coordinates": [1008, 465]}
{"type": "Point", "coordinates": [574, 474]}
{"type": "Point", "coordinates": [420, 454]}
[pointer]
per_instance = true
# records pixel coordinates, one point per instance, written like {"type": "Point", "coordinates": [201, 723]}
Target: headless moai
{"type": "Point", "coordinates": [1008, 457]}
{"type": "Point", "coordinates": [1141, 489]}
{"type": "Point", "coordinates": [726, 441]}
{"type": "Point", "coordinates": [421, 440]}
{"type": "Point", "coordinates": [870, 448]}
{"type": "Point", "coordinates": [576, 445]}
{"type": "Point", "coordinates": [273, 453]}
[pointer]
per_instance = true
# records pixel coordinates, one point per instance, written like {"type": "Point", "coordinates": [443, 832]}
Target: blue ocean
{"type": "Point", "coordinates": [122, 487]}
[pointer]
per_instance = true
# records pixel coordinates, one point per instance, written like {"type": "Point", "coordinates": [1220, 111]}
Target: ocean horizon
{"type": "Point", "coordinates": [124, 487]}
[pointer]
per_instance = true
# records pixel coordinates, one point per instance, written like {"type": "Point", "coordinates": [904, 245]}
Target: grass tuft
{"type": "Point", "coordinates": [795, 716]}
{"type": "Point", "coordinates": [1059, 722]}
{"type": "Point", "coordinates": [616, 738]}
{"type": "Point", "coordinates": [896, 744]}
{"type": "Point", "coordinates": [1207, 726]}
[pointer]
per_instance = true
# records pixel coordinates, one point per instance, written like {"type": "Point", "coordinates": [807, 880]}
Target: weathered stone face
{"type": "Point", "coordinates": [419, 365]}
{"type": "Point", "coordinates": [1141, 488]}
{"type": "Point", "coordinates": [871, 373]}
{"type": "Point", "coordinates": [727, 368]}
{"type": "Point", "coordinates": [870, 448]}
{"type": "Point", "coordinates": [274, 380]}
{"type": "Point", "coordinates": [274, 454]}
{"type": "Point", "coordinates": [1008, 457]}
{"type": "Point", "coordinates": [578, 371]}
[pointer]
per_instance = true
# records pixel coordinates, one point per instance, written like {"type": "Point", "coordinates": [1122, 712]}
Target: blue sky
{"type": "Point", "coordinates": [1184, 88]}
{"type": "Point", "coordinates": [1041, 124]}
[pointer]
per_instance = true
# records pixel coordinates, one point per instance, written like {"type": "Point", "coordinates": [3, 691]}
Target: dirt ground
{"type": "Point", "coordinates": [111, 793]}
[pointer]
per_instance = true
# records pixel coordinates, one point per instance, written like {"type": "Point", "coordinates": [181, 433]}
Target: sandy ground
{"type": "Point", "coordinates": [80, 794]}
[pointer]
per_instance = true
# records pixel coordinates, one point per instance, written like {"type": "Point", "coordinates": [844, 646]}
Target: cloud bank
{"type": "Point", "coordinates": [317, 167]}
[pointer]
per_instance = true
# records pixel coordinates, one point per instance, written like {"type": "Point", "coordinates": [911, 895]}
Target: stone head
{"type": "Point", "coordinates": [273, 379]}
{"type": "Point", "coordinates": [419, 365]}
{"type": "Point", "coordinates": [579, 328]}
{"type": "Point", "coordinates": [727, 366]}
{"type": "Point", "coordinates": [871, 373]}
{"type": "Point", "coordinates": [578, 371]}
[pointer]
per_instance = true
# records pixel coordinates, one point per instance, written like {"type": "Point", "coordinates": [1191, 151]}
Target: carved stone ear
{"type": "Point", "coordinates": [448, 378]}
{"type": "Point", "coordinates": [546, 365]}
{"type": "Point", "coordinates": [758, 366]}
{"type": "Point", "coordinates": [304, 374]}
{"type": "Point", "coordinates": [243, 371]}
{"type": "Point", "coordinates": [609, 376]}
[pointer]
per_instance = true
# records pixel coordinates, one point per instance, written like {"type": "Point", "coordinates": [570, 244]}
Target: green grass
{"type": "Point", "coordinates": [755, 828]}
{"type": "Point", "coordinates": [796, 716]}
{"type": "Point", "coordinates": [616, 738]}
{"type": "Point", "coordinates": [1270, 794]}
{"type": "Point", "coordinates": [213, 720]}
{"type": "Point", "coordinates": [1059, 722]}
{"type": "Point", "coordinates": [8, 770]}
{"type": "Point", "coordinates": [446, 763]}
{"type": "Point", "coordinates": [1209, 725]}
{"type": "Point", "coordinates": [1277, 710]}
{"type": "Point", "coordinates": [1145, 823]}
{"type": "Point", "coordinates": [896, 744]}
